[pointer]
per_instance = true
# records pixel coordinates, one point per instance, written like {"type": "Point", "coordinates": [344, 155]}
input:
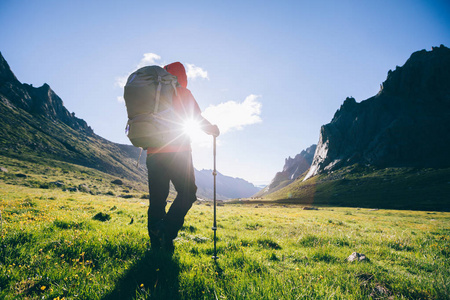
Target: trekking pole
{"type": "Point", "coordinates": [214, 228]}
{"type": "Point", "coordinates": [139, 158]}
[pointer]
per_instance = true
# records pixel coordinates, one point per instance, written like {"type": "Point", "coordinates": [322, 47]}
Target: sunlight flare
{"type": "Point", "coordinates": [191, 127]}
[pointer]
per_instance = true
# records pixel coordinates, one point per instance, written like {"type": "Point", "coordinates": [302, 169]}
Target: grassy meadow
{"type": "Point", "coordinates": [59, 244]}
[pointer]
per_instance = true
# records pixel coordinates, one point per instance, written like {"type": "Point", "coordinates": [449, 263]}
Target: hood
{"type": "Point", "coordinates": [177, 69]}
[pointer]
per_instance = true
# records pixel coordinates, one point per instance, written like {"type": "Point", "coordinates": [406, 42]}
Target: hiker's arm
{"type": "Point", "coordinates": [209, 128]}
{"type": "Point", "coordinates": [196, 112]}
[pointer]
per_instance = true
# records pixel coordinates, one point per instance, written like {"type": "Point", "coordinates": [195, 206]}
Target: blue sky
{"type": "Point", "coordinates": [269, 73]}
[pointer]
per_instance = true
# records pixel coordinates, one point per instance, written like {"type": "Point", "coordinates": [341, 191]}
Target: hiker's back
{"type": "Point", "coordinates": [148, 97]}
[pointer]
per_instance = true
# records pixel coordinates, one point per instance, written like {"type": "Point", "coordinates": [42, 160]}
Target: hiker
{"type": "Point", "coordinates": [173, 163]}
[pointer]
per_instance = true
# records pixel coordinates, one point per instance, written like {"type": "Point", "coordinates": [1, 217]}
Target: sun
{"type": "Point", "coordinates": [192, 128]}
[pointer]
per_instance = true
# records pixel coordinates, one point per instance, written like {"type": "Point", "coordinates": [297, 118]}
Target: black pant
{"type": "Point", "coordinates": [162, 169]}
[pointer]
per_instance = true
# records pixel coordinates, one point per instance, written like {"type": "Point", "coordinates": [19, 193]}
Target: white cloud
{"type": "Point", "coordinates": [120, 99]}
{"type": "Point", "coordinates": [147, 60]}
{"type": "Point", "coordinates": [233, 115]}
{"type": "Point", "coordinates": [228, 116]}
{"type": "Point", "coordinates": [194, 72]}
{"type": "Point", "coordinates": [121, 81]}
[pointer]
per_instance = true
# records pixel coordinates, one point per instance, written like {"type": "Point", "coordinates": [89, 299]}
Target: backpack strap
{"type": "Point", "coordinates": [174, 84]}
{"type": "Point", "coordinates": [158, 94]}
{"type": "Point", "coordinates": [158, 91]}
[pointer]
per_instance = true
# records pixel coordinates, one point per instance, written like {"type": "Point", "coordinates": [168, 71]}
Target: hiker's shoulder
{"type": "Point", "coordinates": [184, 93]}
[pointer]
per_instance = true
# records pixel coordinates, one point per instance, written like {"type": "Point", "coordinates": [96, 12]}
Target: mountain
{"type": "Point", "coordinates": [405, 125]}
{"type": "Point", "coordinates": [36, 128]}
{"type": "Point", "coordinates": [389, 151]}
{"type": "Point", "coordinates": [293, 168]}
{"type": "Point", "coordinates": [35, 123]}
{"type": "Point", "coordinates": [226, 187]}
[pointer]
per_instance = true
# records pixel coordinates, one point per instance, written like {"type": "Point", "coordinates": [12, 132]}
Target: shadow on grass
{"type": "Point", "coordinates": [155, 276]}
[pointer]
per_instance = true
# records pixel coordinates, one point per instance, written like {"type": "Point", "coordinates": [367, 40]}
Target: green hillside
{"type": "Point", "coordinates": [45, 173]}
{"type": "Point", "coordinates": [31, 137]}
{"type": "Point", "coordinates": [362, 186]}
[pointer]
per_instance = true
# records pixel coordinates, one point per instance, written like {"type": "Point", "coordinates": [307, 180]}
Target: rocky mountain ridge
{"type": "Point", "coordinates": [292, 169]}
{"type": "Point", "coordinates": [405, 124]}
{"type": "Point", "coordinates": [36, 101]}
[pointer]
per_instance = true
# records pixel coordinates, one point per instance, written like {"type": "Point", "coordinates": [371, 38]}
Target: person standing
{"type": "Point", "coordinates": [173, 163]}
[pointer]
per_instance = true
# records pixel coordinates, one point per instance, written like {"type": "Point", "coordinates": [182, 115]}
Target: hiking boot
{"type": "Point", "coordinates": [157, 233]}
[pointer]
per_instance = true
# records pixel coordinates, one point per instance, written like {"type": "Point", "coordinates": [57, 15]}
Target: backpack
{"type": "Point", "coordinates": [148, 97]}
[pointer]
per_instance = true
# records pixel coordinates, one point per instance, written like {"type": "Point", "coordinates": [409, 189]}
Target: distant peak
{"type": "Point", "coordinates": [44, 86]}
{"type": "Point", "coordinates": [6, 75]}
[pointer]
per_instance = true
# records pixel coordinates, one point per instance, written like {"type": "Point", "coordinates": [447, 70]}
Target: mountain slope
{"type": "Point", "coordinates": [293, 168]}
{"type": "Point", "coordinates": [405, 124]}
{"type": "Point", "coordinates": [227, 187]}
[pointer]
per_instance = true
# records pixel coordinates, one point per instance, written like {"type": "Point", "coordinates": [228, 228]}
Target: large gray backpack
{"type": "Point", "coordinates": [148, 96]}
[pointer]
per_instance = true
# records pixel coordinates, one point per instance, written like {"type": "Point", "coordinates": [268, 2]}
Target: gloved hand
{"type": "Point", "coordinates": [212, 130]}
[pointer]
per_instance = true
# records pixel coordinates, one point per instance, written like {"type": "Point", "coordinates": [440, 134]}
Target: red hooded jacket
{"type": "Point", "coordinates": [185, 107]}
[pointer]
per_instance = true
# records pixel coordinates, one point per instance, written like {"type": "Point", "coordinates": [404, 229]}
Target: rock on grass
{"type": "Point", "coordinates": [103, 217]}
{"type": "Point", "coordinates": [355, 256]}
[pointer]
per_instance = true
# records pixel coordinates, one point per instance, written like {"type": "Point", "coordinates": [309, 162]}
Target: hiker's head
{"type": "Point", "coordinates": [177, 69]}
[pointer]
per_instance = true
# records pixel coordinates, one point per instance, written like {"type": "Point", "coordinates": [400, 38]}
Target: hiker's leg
{"type": "Point", "coordinates": [158, 186]}
{"type": "Point", "coordinates": [183, 179]}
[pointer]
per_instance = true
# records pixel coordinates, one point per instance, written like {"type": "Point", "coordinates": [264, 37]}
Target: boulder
{"type": "Point", "coordinates": [355, 256]}
{"type": "Point", "coordinates": [310, 208]}
{"type": "Point", "coordinates": [102, 217]}
{"type": "Point", "coordinates": [117, 182]}
{"type": "Point", "coordinates": [84, 188]}
{"type": "Point", "coordinates": [57, 183]}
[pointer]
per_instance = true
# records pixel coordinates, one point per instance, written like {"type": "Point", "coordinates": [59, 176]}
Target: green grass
{"type": "Point", "coordinates": [52, 246]}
